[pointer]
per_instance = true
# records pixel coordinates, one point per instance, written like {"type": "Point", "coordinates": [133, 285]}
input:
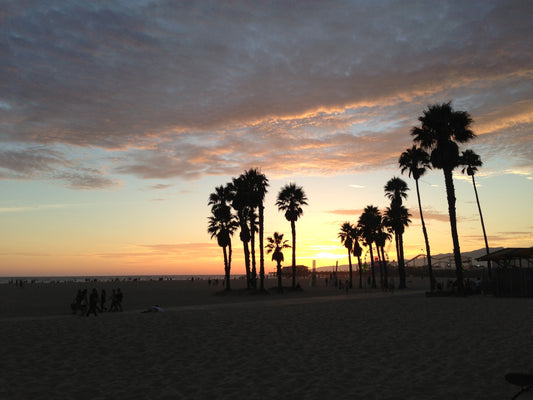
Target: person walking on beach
{"type": "Point", "coordinates": [119, 299]}
{"type": "Point", "coordinates": [113, 306]}
{"type": "Point", "coordinates": [93, 303]}
{"type": "Point", "coordinates": [102, 301]}
{"type": "Point", "coordinates": [83, 302]}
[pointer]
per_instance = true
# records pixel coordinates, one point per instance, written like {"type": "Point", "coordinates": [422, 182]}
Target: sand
{"type": "Point", "coordinates": [316, 344]}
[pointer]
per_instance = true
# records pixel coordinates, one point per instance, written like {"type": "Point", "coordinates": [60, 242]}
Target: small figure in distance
{"type": "Point", "coordinates": [93, 303]}
{"type": "Point", "coordinates": [102, 301]}
{"type": "Point", "coordinates": [83, 302]}
{"type": "Point", "coordinates": [119, 299]}
{"type": "Point", "coordinates": [113, 306]}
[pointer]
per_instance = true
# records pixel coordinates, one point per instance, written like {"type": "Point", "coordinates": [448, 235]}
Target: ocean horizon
{"type": "Point", "coordinates": [108, 278]}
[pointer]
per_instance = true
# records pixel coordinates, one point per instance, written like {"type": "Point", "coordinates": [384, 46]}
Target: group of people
{"type": "Point", "coordinates": [85, 304]}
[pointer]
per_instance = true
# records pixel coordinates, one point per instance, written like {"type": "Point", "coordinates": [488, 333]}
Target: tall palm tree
{"type": "Point", "coordinates": [416, 162]}
{"type": "Point", "coordinates": [222, 224]}
{"type": "Point", "coordinates": [470, 161]}
{"type": "Point", "coordinates": [346, 235]}
{"type": "Point", "coordinates": [368, 225]}
{"type": "Point", "coordinates": [258, 184]}
{"type": "Point", "coordinates": [275, 245]}
{"type": "Point", "coordinates": [396, 190]}
{"type": "Point", "coordinates": [291, 198]}
{"type": "Point", "coordinates": [242, 204]}
{"type": "Point", "coordinates": [441, 129]}
{"type": "Point", "coordinates": [397, 219]}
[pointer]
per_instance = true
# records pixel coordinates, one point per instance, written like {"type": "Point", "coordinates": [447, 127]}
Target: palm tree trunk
{"type": "Point", "coordinates": [372, 267]}
{"type": "Point", "coordinates": [246, 248]}
{"type": "Point", "coordinates": [261, 249]}
{"type": "Point", "coordinates": [280, 283]}
{"type": "Point", "coordinates": [252, 240]}
{"type": "Point", "coordinates": [360, 272]}
{"type": "Point", "coordinates": [489, 267]}
{"type": "Point", "coordinates": [385, 272]}
{"type": "Point", "coordinates": [293, 230]}
{"type": "Point", "coordinates": [226, 268]}
{"type": "Point", "coordinates": [450, 193]}
{"type": "Point", "coordinates": [428, 252]}
{"type": "Point", "coordinates": [350, 264]}
{"type": "Point", "coordinates": [398, 254]}
{"type": "Point", "coordinates": [401, 266]}
{"type": "Point", "coordinates": [380, 268]}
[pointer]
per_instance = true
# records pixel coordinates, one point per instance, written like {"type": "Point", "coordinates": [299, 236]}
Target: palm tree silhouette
{"type": "Point", "coordinates": [241, 202]}
{"type": "Point", "coordinates": [275, 245]}
{"type": "Point", "coordinates": [396, 218]}
{"type": "Point", "coordinates": [381, 240]}
{"type": "Point", "coordinates": [346, 235]}
{"type": "Point", "coordinates": [258, 184]}
{"type": "Point", "coordinates": [441, 130]}
{"type": "Point", "coordinates": [291, 198]}
{"type": "Point", "coordinates": [470, 160]}
{"type": "Point", "coordinates": [357, 251]}
{"type": "Point", "coordinates": [368, 225]}
{"type": "Point", "coordinates": [396, 190]}
{"type": "Point", "coordinates": [222, 224]}
{"type": "Point", "coordinates": [416, 162]}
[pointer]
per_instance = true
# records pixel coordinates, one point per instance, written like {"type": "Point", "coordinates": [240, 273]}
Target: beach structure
{"type": "Point", "coordinates": [512, 272]}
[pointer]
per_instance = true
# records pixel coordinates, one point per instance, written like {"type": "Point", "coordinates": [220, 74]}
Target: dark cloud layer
{"type": "Point", "coordinates": [193, 88]}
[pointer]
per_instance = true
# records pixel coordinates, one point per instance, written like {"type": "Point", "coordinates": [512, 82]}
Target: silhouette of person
{"type": "Point", "coordinates": [119, 299]}
{"type": "Point", "coordinates": [102, 301]}
{"type": "Point", "coordinates": [113, 306]}
{"type": "Point", "coordinates": [83, 302]}
{"type": "Point", "coordinates": [93, 303]}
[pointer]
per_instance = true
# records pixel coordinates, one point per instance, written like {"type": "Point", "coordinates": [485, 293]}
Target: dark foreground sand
{"type": "Point", "coordinates": [318, 344]}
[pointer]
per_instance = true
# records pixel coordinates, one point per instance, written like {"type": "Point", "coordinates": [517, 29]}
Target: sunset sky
{"type": "Point", "coordinates": [118, 119]}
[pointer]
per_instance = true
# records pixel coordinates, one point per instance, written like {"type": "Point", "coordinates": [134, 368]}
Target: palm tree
{"type": "Point", "coordinates": [357, 251]}
{"type": "Point", "coordinates": [275, 246]}
{"type": "Point", "coordinates": [396, 190]}
{"type": "Point", "coordinates": [258, 183]}
{"type": "Point", "coordinates": [440, 131]}
{"type": "Point", "coordinates": [470, 160]}
{"type": "Point", "coordinates": [368, 225]}
{"type": "Point", "coordinates": [381, 239]}
{"type": "Point", "coordinates": [416, 162]}
{"type": "Point", "coordinates": [396, 219]}
{"type": "Point", "coordinates": [242, 204]}
{"type": "Point", "coordinates": [346, 235]}
{"type": "Point", "coordinates": [222, 224]}
{"type": "Point", "coordinates": [291, 198]}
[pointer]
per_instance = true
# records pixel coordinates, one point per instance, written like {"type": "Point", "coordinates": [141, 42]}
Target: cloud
{"type": "Point", "coordinates": [430, 214]}
{"type": "Point", "coordinates": [203, 88]}
{"type": "Point", "coordinates": [346, 212]}
{"type": "Point", "coordinates": [39, 162]}
{"type": "Point", "coordinates": [160, 186]}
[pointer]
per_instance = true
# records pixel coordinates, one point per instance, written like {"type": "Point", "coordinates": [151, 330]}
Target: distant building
{"type": "Point", "coordinates": [301, 271]}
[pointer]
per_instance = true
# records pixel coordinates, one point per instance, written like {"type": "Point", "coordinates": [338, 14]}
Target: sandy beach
{"type": "Point", "coordinates": [320, 343]}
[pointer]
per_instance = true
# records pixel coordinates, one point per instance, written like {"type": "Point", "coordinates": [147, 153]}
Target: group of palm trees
{"type": "Point", "coordinates": [437, 141]}
{"type": "Point", "coordinates": [240, 205]}
{"type": "Point", "coordinates": [375, 229]}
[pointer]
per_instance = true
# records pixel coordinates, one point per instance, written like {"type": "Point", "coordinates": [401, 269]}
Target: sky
{"type": "Point", "coordinates": [118, 119]}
